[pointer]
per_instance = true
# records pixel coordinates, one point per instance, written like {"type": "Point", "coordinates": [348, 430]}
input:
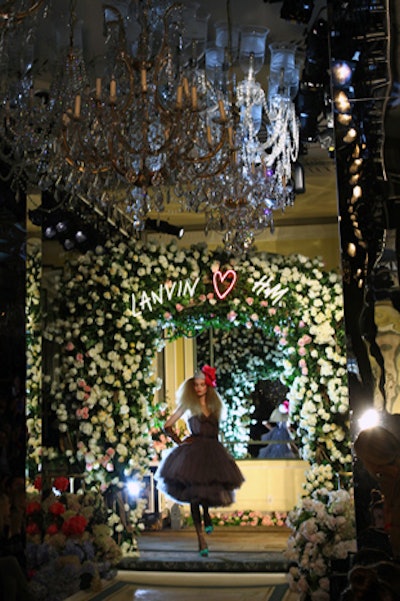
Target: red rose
{"type": "Point", "coordinates": [32, 528]}
{"type": "Point", "coordinates": [33, 507]}
{"type": "Point", "coordinates": [57, 508]}
{"type": "Point", "coordinates": [38, 483]}
{"type": "Point", "coordinates": [52, 529]}
{"type": "Point", "coordinates": [75, 525]}
{"type": "Point", "coordinates": [61, 483]}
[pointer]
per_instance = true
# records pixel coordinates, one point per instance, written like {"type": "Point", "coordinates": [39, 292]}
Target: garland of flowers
{"type": "Point", "coordinates": [104, 386]}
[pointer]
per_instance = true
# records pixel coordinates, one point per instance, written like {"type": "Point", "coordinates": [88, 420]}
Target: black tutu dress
{"type": "Point", "coordinates": [200, 471]}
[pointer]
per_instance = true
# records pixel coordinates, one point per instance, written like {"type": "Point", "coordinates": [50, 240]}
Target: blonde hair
{"type": "Point", "coordinates": [186, 397]}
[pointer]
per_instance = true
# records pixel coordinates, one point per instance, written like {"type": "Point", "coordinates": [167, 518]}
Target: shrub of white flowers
{"type": "Point", "coordinates": [114, 305]}
{"type": "Point", "coordinates": [323, 529]}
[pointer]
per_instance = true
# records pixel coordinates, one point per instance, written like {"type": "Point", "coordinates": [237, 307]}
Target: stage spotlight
{"type": "Point", "coordinates": [369, 419]}
{"type": "Point", "coordinates": [80, 237]}
{"type": "Point", "coordinates": [61, 227]}
{"type": "Point", "coordinates": [134, 488]}
{"type": "Point", "coordinates": [36, 216]}
{"type": "Point", "coordinates": [342, 73]}
{"type": "Point", "coordinates": [68, 244]}
{"type": "Point", "coordinates": [163, 227]}
{"type": "Point", "coordinates": [50, 231]}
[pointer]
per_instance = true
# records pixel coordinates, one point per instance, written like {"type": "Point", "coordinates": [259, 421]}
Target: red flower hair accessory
{"type": "Point", "coordinates": [210, 375]}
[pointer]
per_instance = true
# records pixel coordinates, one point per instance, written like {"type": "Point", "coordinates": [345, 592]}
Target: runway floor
{"type": "Point", "coordinates": [232, 549]}
{"type": "Point", "coordinates": [244, 564]}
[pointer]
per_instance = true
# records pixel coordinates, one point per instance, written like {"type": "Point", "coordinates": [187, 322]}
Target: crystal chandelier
{"type": "Point", "coordinates": [165, 119]}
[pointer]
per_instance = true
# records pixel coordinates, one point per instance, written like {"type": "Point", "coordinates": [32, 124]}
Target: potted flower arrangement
{"type": "Point", "coordinates": [323, 530]}
{"type": "Point", "coordinates": [69, 543]}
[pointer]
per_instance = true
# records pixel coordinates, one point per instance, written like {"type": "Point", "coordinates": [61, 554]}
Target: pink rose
{"type": "Point", "coordinates": [69, 346]}
{"type": "Point", "coordinates": [231, 316]}
{"type": "Point", "coordinates": [249, 300]}
{"type": "Point", "coordinates": [272, 311]}
{"type": "Point", "coordinates": [179, 307]}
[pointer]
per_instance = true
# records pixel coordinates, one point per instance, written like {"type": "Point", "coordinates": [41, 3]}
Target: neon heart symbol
{"type": "Point", "coordinates": [219, 278]}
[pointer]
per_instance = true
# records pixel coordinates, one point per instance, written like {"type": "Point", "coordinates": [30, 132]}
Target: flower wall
{"type": "Point", "coordinates": [115, 306]}
{"type": "Point", "coordinates": [33, 317]}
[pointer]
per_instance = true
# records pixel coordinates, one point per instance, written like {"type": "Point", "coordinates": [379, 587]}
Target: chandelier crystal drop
{"type": "Point", "coordinates": [164, 120]}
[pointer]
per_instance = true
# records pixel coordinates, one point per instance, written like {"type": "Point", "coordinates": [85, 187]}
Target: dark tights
{"type": "Point", "coordinates": [198, 521]}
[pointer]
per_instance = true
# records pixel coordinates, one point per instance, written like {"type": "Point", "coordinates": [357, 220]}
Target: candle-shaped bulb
{"type": "Point", "coordinates": [77, 108]}
{"type": "Point", "coordinates": [113, 90]}
{"type": "Point", "coordinates": [98, 88]}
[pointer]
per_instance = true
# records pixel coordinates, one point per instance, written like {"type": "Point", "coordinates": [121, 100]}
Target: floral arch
{"type": "Point", "coordinates": [114, 307]}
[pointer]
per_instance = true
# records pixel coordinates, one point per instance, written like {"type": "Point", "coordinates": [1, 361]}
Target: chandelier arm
{"type": "Point", "coordinates": [206, 158]}
{"type": "Point", "coordinates": [7, 16]}
{"type": "Point", "coordinates": [72, 162]}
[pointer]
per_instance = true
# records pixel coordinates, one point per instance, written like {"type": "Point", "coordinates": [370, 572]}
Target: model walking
{"type": "Point", "coordinates": [199, 471]}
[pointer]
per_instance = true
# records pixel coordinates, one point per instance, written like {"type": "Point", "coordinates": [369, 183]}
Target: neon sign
{"type": "Point", "coordinates": [264, 286]}
{"type": "Point", "coordinates": [168, 291]}
{"type": "Point", "coordinates": [218, 280]}
{"type": "Point", "coordinates": [223, 283]}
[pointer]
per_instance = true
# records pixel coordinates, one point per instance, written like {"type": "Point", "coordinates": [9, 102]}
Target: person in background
{"type": "Point", "coordinates": [199, 471]}
{"type": "Point", "coordinates": [281, 445]}
{"type": "Point", "coordinates": [379, 450]}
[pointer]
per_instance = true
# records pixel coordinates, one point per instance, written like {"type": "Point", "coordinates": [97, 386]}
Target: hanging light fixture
{"type": "Point", "coordinates": [166, 119]}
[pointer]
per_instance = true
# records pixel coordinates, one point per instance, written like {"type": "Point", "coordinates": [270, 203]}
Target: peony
{"type": "Point", "coordinates": [75, 525]}
{"type": "Point", "coordinates": [57, 508]}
